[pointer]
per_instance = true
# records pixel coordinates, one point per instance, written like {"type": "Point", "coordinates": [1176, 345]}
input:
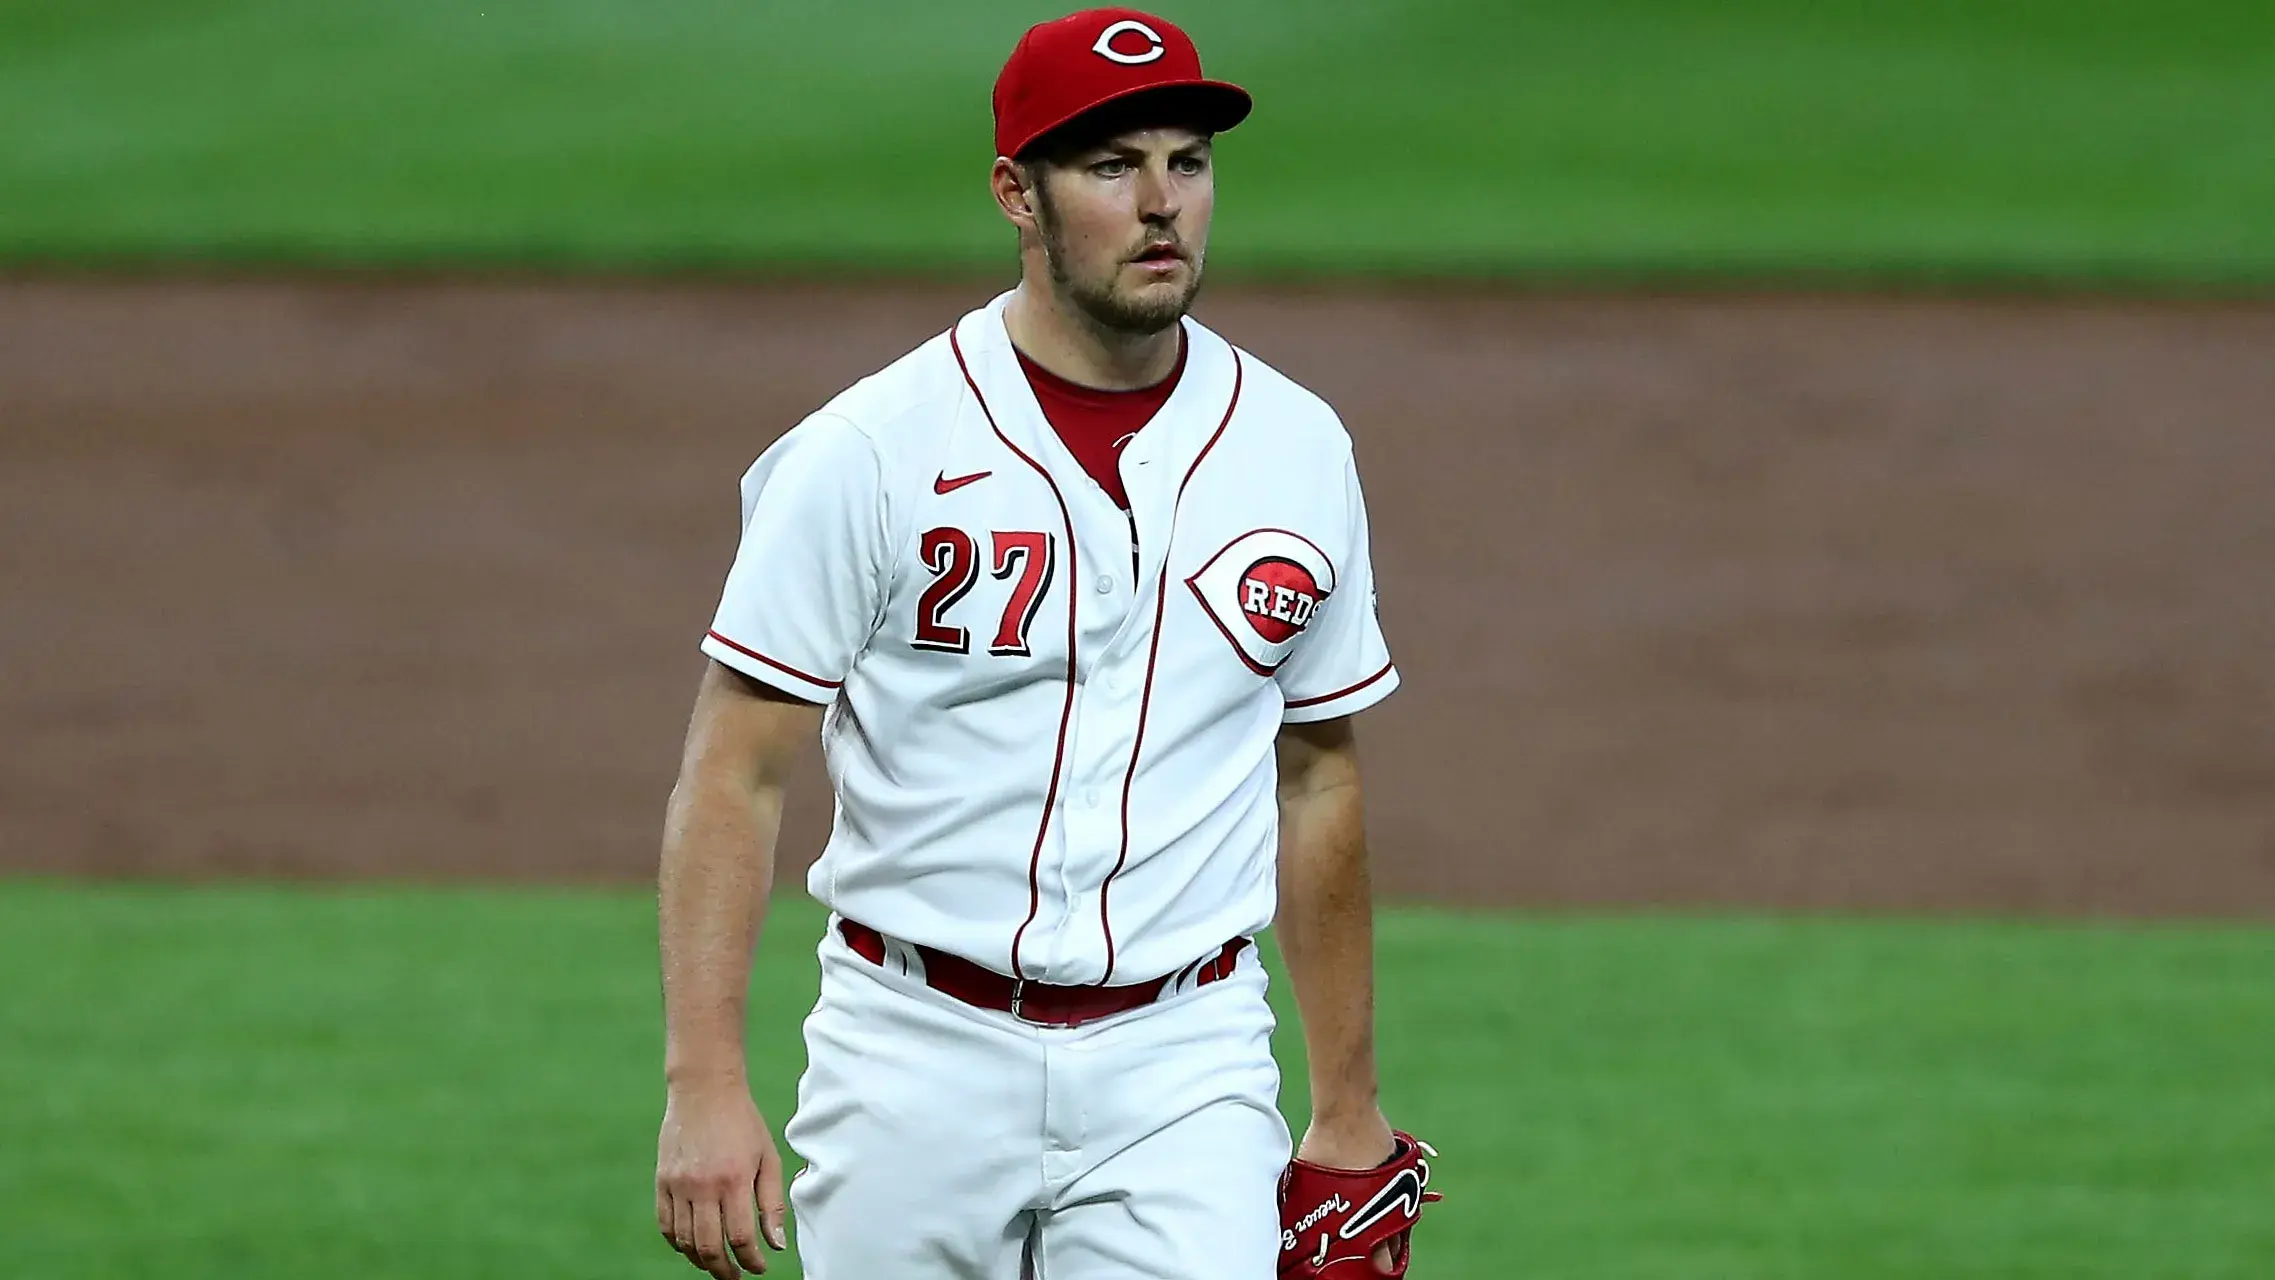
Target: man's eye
{"type": "Point", "coordinates": [1110, 168]}
{"type": "Point", "coordinates": [1190, 165]}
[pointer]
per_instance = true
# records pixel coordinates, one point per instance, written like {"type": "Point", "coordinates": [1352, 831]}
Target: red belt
{"type": "Point", "coordinates": [1040, 1003]}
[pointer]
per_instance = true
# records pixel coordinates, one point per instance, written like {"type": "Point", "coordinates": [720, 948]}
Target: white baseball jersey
{"type": "Point", "coordinates": [1045, 762]}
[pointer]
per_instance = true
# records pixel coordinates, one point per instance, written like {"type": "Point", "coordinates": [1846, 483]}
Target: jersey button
{"type": "Point", "coordinates": [1105, 584]}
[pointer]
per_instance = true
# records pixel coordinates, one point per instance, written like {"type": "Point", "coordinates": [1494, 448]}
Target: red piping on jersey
{"type": "Point", "coordinates": [1152, 657]}
{"type": "Point", "coordinates": [1066, 717]}
{"type": "Point", "coordinates": [1342, 693]}
{"type": "Point", "coordinates": [784, 668]}
{"type": "Point", "coordinates": [1253, 665]}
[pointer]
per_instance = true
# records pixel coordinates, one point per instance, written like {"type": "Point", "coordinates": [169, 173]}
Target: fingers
{"type": "Point", "coordinates": [742, 1232]}
{"type": "Point", "coordinates": [1389, 1257]}
{"type": "Point", "coordinates": [711, 1239]}
{"type": "Point", "coordinates": [714, 1158]}
{"type": "Point", "coordinates": [683, 1227]}
{"type": "Point", "coordinates": [700, 1227]}
{"type": "Point", "coordinates": [773, 1204]}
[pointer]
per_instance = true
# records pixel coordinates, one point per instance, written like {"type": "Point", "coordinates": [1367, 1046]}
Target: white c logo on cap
{"type": "Point", "coordinates": [1105, 46]}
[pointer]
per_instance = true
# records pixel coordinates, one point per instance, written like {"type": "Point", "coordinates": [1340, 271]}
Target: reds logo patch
{"type": "Point", "coordinates": [1262, 591]}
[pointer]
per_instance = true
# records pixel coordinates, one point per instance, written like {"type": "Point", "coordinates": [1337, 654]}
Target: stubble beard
{"type": "Point", "coordinates": [1102, 302]}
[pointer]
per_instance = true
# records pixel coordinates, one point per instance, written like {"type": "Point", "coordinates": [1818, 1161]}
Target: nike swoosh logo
{"type": "Point", "coordinates": [944, 485]}
{"type": "Point", "coordinates": [1401, 1195]}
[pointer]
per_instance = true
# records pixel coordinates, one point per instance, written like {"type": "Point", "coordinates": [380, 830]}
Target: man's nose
{"type": "Point", "coordinates": [1157, 196]}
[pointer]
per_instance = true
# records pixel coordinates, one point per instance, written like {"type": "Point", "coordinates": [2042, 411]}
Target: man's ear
{"type": "Point", "coordinates": [1013, 194]}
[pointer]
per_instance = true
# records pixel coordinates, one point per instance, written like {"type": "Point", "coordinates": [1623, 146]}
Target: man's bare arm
{"type": "Point", "coordinates": [1326, 932]}
{"type": "Point", "coordinates": [715, 1153]}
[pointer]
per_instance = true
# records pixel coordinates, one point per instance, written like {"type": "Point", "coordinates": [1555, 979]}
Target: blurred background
{"type": "Point", "coordinates": [1821, 459]}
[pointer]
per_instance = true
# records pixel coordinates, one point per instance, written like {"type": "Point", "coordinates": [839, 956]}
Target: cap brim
{"type": "Point", "coordinates": [1213, 105]}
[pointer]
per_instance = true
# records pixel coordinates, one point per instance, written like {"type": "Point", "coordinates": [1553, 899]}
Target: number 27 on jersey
{"type": "Point", "coordinates": [954, 559]}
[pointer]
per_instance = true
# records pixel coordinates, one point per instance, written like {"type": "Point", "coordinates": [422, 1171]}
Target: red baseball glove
{"type": "Point", "coordinates": [1332, 1220]}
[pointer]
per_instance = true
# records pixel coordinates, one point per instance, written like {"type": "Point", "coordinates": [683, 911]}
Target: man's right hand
{"type": "Point", "coordinates": [713, 1158]}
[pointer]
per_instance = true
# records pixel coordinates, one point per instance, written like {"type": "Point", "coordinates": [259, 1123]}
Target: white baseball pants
{"type": "Point", "coordinates": [946, 1142]}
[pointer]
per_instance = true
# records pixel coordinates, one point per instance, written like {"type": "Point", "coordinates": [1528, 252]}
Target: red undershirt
{"type": "Point", "coordinates": [1096, 424]}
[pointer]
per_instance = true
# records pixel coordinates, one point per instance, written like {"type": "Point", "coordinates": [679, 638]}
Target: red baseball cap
{"type": "Point", "coordinates": [1068, 68]}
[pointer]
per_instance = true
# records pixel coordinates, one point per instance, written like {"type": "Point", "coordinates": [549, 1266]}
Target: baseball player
{"type": "Point", "coordinates": [1078, 597]}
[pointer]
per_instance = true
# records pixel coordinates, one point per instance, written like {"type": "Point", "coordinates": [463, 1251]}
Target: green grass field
{"type": "Point", "coordinates": [2109, 141]}
{"type": "Point", "coordinates": [252, 1083]}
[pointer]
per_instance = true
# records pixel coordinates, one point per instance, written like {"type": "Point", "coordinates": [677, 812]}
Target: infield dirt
{"type": "Point", "coordinates": [1819, 602]}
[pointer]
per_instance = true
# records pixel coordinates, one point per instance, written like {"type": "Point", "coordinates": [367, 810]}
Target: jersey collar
{"type": "Point", "coordinates": [1156, 462]}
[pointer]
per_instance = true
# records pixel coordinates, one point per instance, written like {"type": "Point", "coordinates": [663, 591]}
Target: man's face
{"type": "Point", "coordinates": [1124, 225]}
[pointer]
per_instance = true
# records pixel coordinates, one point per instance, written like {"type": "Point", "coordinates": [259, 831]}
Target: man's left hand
{"type": "Point", "coordinates": [1360, 1139]}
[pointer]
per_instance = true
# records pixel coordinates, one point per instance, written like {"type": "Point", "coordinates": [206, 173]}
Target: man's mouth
{"type": "Point", "coordinates": [1160, 254]}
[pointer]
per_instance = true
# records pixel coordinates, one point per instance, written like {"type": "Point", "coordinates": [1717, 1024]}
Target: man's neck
{"type": "Point", "coordinates": [1061, 339]}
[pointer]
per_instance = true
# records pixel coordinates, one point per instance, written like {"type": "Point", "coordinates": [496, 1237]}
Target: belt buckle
{"type": "Point", "coordinates": [1018, 996]}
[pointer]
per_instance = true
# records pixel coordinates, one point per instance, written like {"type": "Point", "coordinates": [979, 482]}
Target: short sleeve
{"type": "Point", "coordinates": [1342, 664]}
{"type": "Point", "coordinates": [807, 585]}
